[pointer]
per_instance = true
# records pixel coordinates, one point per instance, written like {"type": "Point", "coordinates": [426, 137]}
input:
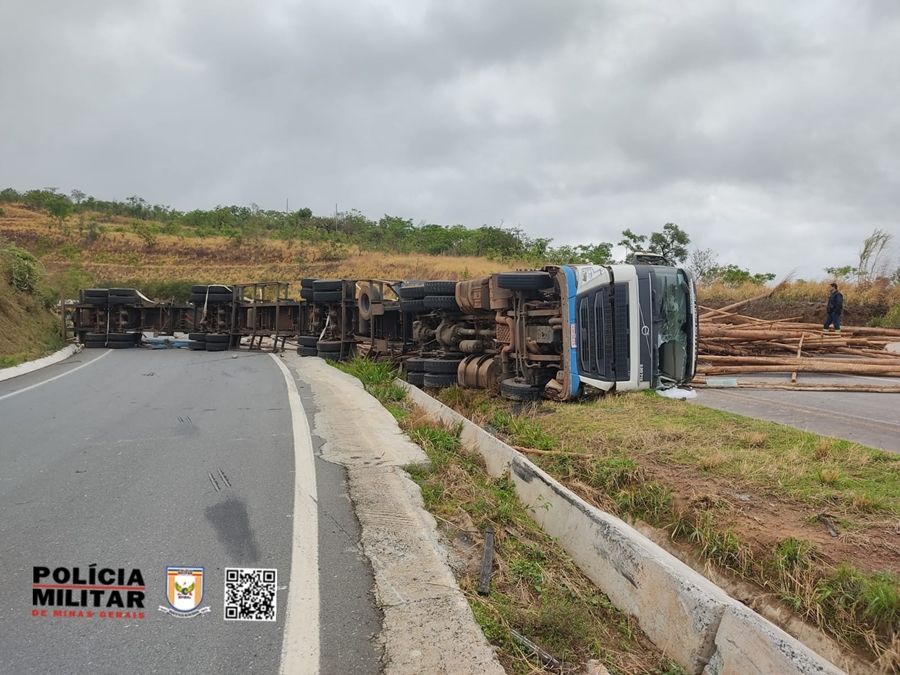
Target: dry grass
{"type": "Point", "coordinates": [877, 293]}
{"type": "Point", "coordinates": [119, 255]}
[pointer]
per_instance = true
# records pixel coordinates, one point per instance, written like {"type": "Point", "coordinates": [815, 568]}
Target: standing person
{"type": "Point", "coordinates": [834, 309]}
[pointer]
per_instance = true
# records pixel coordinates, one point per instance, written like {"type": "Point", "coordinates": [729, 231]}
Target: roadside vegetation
{"type": "Point", "coordinates": [155, 247]}
{"type": "Point", "coordinates": [754, 499]}
{"type": "Point", "coordinates": [28, 328]}
{"type": "Point", "coordinates": [537, 592]}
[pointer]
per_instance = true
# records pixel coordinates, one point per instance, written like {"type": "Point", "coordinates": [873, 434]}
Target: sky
{"type": "Point", "coordinates": [767, 130]}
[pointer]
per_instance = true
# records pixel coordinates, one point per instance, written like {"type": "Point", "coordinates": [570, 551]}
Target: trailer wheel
{"type": "Point", "coordinates": [415, 364]}
{"type": "Point", "coordinates": [120, 345]}
{"type": "Point", "coordinates": [199, 337]}
{"type": "Point", "coordinates": [445, 302]}
{"type": "Point", "coordinates": [524, 281]}
{"type": "Point", "coordinates": [412, 306]}
{"type": "Point", "coordinates": [303, 350]}
{"type": "Point", "coordinates": [307, 340]}
{"type": "Point", "coordinates": [94, 344]}
{"type": "Point", "coordinates": [445, 366]}
{"type": "Point", "coordinates": [218, 338]}
{"type": "Point", "coordinates": [438, 380]}
{"type": "Point", "coordinates": [328, 345]}
{"type": "Point", "coordinates": [122, 337]}
{"type": "Point", "coordinates": [417, 379]}
{"type": "Point", "coordinates": [412, 290]}
{"type": "Point", "coordinates": [440, 288]}
{"type": "Point", "coordinates": [211, 299]}
{"type": "Point", "coordinates": [306, 283]}
{"type": "Point", "coordinates": [367, 296]}
{"type": "Point", "coordinates": [307, 293]}
{"type": "Point", "coordinates": [327, 296]}
{"type": "Point", "coordinates": [96, 300]}
{"type": "Point", "coordinates": [216, 346]}
{"type": "Point", "coordinates": [327, 285]}
{"type": "Point", "coordinates": [519, 390]}
{"type": "Point", "coordinates": [196, 345]}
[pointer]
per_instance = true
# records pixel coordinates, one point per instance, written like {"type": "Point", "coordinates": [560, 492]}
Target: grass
{"type": "Point", "coordinates": [537, 590]}
{"type": "Point", "coordinates": [620, 452]}
{"type": "Point", "coordinates": [28, 330]}
{"type": "Point", "coordinates": [112, 250]}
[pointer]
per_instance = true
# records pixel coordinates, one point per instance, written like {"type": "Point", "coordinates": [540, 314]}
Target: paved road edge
{"type": "Point", "coordinates": [300, 646]}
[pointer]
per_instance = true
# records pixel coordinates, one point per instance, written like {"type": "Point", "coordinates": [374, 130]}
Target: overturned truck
{"type": "Point", "coordinates": [559, 332]}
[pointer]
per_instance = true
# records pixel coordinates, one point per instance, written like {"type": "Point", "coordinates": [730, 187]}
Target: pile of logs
{"type": "Point", "coordinates": [734, 344]}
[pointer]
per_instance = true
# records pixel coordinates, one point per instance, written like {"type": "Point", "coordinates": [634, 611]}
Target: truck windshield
{"type": "Point", "coordinates": [671, 292]}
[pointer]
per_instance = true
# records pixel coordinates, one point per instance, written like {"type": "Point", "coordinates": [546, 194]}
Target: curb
{"type": "Point", "coordinates": [694, 621]}
{"type": "Point", "coordinates": [37, 364]}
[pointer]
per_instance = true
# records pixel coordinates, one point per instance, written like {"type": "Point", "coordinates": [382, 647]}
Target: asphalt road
{"type": "Point", "coordinates": [867, 418]}
{"type": "Point", "coordinates": [147, 459]}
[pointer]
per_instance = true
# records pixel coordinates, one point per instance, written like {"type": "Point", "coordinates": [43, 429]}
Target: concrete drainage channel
{"type": "Point", "coordinates": [682, 612]}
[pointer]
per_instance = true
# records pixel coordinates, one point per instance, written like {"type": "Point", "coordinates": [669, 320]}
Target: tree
{"type": "Point", "coordinates": [703, 261]}
{"type": "Point", "coordinates": [671, 242]}
{"type": "Point", "coordinates": [842, 272]}
{"type": "Point", "coordinates": [633, 242]}
{"type": "Point", "coordinates": [872, 249]}
{"type": "Point", "coordinates": [60, 208]}
{"type": "Point", "coordinates": [732, 275]}
{"type": "Point", "coordinates": [77, 196]}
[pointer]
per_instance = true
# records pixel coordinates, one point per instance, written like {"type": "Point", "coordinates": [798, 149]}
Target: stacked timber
{"type": "Point", "coordinates": [735, 344]}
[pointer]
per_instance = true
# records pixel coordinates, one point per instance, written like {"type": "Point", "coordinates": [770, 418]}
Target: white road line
{"type": "Point", "coordinates": [55, 377]}
{"type": "Point", "coordinates": [300, 648]}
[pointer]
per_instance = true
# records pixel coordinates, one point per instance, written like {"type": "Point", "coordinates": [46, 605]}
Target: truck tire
{"type": "Point", "coordinates": [303, 350]}
{"type": "Point", "coordinates": [307, 340]}
{"type": "Point", "coordinates": [94, 344]}
{"type": "Point", "coordinates": [415, 364]}
{"type": "Point", "coordinates": [217, 338]}
{"type": "Point", "coordinates": [524, 281]}
{"type": "Point", "coordinates": [441, 366]}
{"type": "Point", "coordinates": [440, 288]}
{"type": "Point", "coordinates": [368, 296]}
{"type": "Point", "coordinates": [306, 283]}
{"type": "Point", "coordinates": [412, 290]}
{"type": "Point", "coordinates": [196, 345]}
{"type": "Point", "coordinates": [412, 306]}
{"type": "Point", "coordinates": [122, 337]}
{"type": "Point", "coordinates": [328, 346]}
{"type": "Point", "coordinates": [198, 337]}
{"type": "Point", "coordinates": [444, 302]}
{"type": "Point", "coordinates": [307, 294]}
{"type": "Point", "coordinates": [417, 379]}
{"type": "Point", "coordinates": [518, 390]}
{"type": "Point", "coordinates": [327, 285]}
{"type": "Point", "coordinates": [96, 300]}
{"type": "Point", "coordinates": [216, 346]}
{"type": "Point", "coordinates": [438, 380]}
{"type": "Point", "coordinates": [327, 296]}
{"type": "Point", "coordinates": [211, 299]}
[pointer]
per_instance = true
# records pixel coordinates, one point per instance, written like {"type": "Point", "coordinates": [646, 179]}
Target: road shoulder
{"type": "Point", "coordinates": [427, 626]}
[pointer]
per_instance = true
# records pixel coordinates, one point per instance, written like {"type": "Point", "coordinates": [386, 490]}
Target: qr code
{"type": "Point", "coordinates": [250, 594]}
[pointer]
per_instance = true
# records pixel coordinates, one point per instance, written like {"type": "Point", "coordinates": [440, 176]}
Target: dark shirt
{"type": "Point", "coordinates": [835, 303]}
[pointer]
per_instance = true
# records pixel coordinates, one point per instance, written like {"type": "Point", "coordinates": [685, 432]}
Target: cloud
{"type": "Point", "coordinates": [766, 131]}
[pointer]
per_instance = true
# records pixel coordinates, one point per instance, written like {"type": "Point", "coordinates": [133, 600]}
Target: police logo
{"type": "Point", "coordinates": [184, 591]}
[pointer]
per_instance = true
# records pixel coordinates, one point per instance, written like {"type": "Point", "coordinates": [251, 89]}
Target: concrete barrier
{"type": "Point", "coordinates": [37, 364]}
{"type": "Point", "coordinates": [687, 616]}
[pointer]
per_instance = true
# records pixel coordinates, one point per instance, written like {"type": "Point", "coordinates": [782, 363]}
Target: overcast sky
{"type": "Point", "coordinates": [768, 130]}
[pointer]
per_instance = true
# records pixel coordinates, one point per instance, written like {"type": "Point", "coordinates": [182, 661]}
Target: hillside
{"type": "Point", "coordinates": [118, 250]}
{"type": "Point", "coordinates": [164, 256]}
{"type": "Point", "coordinates": [28, 330]}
